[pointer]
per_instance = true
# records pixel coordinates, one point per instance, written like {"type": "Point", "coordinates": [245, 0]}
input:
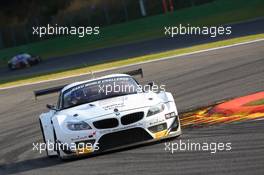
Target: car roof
{"type": "Point", "coordinates": [21, 55]}
{"type": "Point", "coordinates": [93, 79]}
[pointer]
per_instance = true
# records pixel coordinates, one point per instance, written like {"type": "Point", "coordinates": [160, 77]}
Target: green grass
{"type": "Point", "coordinates": [217, 12]}
{"type": "Point", "coordinates": [104, 66]}
{"type": "Point", "coordinates": [256, 103]}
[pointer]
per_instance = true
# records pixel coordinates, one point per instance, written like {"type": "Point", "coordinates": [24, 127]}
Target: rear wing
{"type": "Point", "coordinates": [48, 91]}
{"type": "Point", "coordinates": [135, 72]}
{"type": "Point", "coordinates": [56, 89]}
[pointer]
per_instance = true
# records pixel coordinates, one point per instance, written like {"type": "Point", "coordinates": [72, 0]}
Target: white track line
{"type": "Point", "coordinates": [134, 64]}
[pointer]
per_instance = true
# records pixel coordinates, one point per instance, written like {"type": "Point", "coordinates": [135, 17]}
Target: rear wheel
{"type": "Point", "coordinates": [23, 65]}
{"type": "Point", "coordinates": [39, 59]}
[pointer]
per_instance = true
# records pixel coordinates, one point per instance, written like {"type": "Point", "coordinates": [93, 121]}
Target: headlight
{"type": "Point", "coordinates": [155, 109]}
{"type": "Point", "coordinates": [77, 126]}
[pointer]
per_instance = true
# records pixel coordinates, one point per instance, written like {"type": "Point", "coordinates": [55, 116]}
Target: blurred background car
{"type": "Point", "coordinates": [23, 60]}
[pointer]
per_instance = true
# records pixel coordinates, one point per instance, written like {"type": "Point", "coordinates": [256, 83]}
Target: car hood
{"type": "Point", "coordinates": [107, 106]}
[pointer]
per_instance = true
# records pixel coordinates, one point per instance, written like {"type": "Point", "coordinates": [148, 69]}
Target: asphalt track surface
{"type": "Point", "coordinates": [130, 50]}
{"type": "Point", "coordinates": [195, 80]}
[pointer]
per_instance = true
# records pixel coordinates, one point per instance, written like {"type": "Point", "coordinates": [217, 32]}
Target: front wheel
{"type": "Point", "coordinates": [60, 153]}
{"type": "Point", "coordinates": [44, 139]}
{"type": "Point", "coordinates": [10, 67]}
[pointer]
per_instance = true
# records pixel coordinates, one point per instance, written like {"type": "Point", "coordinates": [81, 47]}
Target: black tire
{"type": "Point", "coordinates": [23, 65]}
{"type": "Point", "coordinates": [58, 150]}
{"type": "Point", "coordinates": [10, 67]}
{"type": "Point", "coordinates": [55, 146]}
{"type": "Point", "coordinates": [44, 139]}
{"type": "Point", "coordinates": [39, 59]}
{"type": "Point", "coordinates": [34, 61]}
{"type": "Point", "coordinates": [55, 140]}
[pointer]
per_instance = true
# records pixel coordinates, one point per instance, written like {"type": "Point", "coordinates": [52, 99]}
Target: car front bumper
{"type": "Point", "coordinates": [147, 130]}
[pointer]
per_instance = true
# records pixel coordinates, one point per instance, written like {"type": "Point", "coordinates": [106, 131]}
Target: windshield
{"type": "Point", "coordinates": [99, 90]}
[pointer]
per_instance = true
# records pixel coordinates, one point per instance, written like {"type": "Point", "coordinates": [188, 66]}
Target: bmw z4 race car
{"type": "Point", "coordinates": [23, 60]}
{"type": "Point", "coordinates": [90, 117]}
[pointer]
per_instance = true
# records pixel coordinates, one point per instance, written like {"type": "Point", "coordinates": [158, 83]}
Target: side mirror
{"type": "Point", "coordinates": [51, 107]}
{"type": "Point", "coordinates": [151, 84]}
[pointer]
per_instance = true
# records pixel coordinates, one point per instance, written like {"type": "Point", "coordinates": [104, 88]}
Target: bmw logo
{"type": "Point", "coordinates": [116, 112]}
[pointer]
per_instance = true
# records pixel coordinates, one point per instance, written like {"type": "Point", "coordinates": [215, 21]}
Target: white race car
{"type": "Point", "coordinates": [90, 117]}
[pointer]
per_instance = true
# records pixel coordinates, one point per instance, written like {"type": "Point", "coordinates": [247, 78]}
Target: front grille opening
{"type": "Point", "coordinates": [121, 138]}
{"type": "Point", "coordinates": [85, 143]}
{"type": "Point", "coordinates": [132, 118]}
{"type": "Point", "coordinates": [106, 123]}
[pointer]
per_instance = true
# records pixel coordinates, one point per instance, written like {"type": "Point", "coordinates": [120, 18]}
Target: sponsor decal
{"type": "Point", "coordinates": [161, 134]}
{"type": "Point", "coordinates": [91, 135]}
{"type": "Point", "coordinates": [156, 121]}
{"type": "Point", "coordinates": [113, 106]}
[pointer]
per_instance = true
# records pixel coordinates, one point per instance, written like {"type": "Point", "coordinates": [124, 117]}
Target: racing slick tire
{"type": "Point", "coordinates": [24, 65]}
{"type": "Point", "coordinates": [44, 140]}
{"type": "Point", "coordinates": [60, 153]}
{"type": "Point", "coordinates": [34, 61]}
{"type": "Point", "coordinates": [10, 67]}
